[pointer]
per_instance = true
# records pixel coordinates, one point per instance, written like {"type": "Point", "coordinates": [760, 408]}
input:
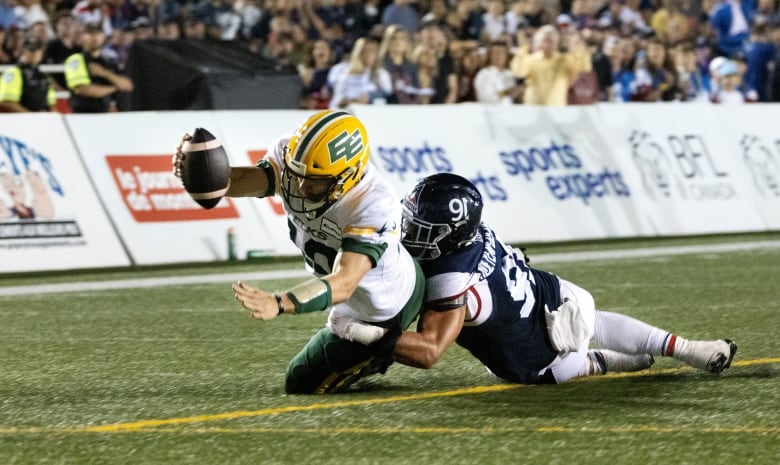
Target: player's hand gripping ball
{"type": "Point", "coordinates": [203, 167]}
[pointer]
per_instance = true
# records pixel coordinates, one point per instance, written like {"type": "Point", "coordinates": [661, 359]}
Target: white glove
{"type": "Point", "coordinates": [567, 328]}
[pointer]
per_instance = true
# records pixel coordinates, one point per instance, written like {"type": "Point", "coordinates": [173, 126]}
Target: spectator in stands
{"type": "Point", "coordinates": [280, 49]}
{"type": "Point", "coordinates": [142, 28]}
{"type": "Point", "coordinates": [345, 21]}
{"type": "Point", "coordinates": [631, 17]}
{"type": "Point", "coordinates": [8, 16]}
{"type": "Point", "coordinates": [365, 80]}
{"type": "Point", "coordinates": [656, 76]}
{"type": "Point", "coordinates": [92, 79]}
{"type": "Point", "coordinates": [314, 75]}
{"type": "Point", "coordinates": [393, 54]}
{"type": "Point", "coordinates": [424, 58]}
{"type": "Point", "coordinates": [547, 71]}
{"type": "Point", "coordinates": [728, 92]}
{"type": "Point", "coordinates": [32, 12]}
{"type": "Point", "coordinates": [5, 57]}
{"type": "Point", "coordinates": [401, 13]}
{"type": "Point", "coordinates": [514, 18]}
{"type": "Point", "coordinates": [436, 14]}
{"type": "Point", "coordinates": [494, 26]}
{"type": "Point", "coordinates": [694, 85]}
{"type": "Point", "coordinates": [494, 83]}
{"type": "Point", "coordinates": [622, 56]}
{"type": "Point", "coordinates": [465, 21]}
{"type": "Point", "coordinates": [227, 19]}
{"type": "Point", "coordinates": [767, 14]}
{"type": "Point", "coordinates": [600, 61]}
{"type": "Point", "coordinates": [169, 29]}
{"type": "Point", "coordinates": [773, 92]}
{"type": "Point", "coordinates": [446, 82]}
{"type": "Point", "coordinates": [466, 68]}
{"type": "Point", "coordinates": [64, 44]}
{"type": "Point", "coordinates": [23, 88]}
{"type": "Point", "coordinates": [536, 14]}
{"type": "Point", "coordinates": [12, 43]}
{"type": "Point", "coordinates": [93, 12]}
{"type": "Point", "coordinates": [670, 23]}
{"type": "Point", "coordinates": [730, 19]}
{"type": "Point", "coordinates": [195, 26]}
{"type": "Point", "coordinates": [253, 14]}
{"type": "Point", "coordinates": [759, 55]}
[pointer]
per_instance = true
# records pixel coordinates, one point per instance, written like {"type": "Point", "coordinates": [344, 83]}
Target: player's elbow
{"type": "Point", "coordinates": [430, 357]}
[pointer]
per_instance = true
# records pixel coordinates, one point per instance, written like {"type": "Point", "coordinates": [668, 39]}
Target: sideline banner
{"type": "Point", "coordinates": [129, 157]}
{"type": "Point", "coordinates": [545, 175]}
{"type": "Point", "coordinates": [684, 161]}
{"type": "Point", "coordinates": [50, 216]}
{"type": "Point", "coordinates": [753, 141]}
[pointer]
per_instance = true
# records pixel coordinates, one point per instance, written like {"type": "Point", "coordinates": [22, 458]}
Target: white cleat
{"type": "Point", "coordinates": [618, 362]}
{"type": "Point", "coordinates": [712, 356]}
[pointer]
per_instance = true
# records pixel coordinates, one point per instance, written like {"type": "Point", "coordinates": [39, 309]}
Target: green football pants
{"type": "Point", "coordinates": [328, 363]}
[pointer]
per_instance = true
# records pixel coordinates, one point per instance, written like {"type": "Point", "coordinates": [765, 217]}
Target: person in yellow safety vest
{"type": "Point", "coordinates": [23, 87]}
{"type": "Point", "coordinates": [93, 79]}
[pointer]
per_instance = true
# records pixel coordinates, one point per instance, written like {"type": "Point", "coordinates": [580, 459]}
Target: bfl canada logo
{"type": "Point", "coordinates": [763, 164]}
{"type": "Point", "coordinates": [681, 165]}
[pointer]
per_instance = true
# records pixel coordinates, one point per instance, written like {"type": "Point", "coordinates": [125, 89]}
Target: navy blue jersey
{"type": "Point", "coordinates": [505, 326]}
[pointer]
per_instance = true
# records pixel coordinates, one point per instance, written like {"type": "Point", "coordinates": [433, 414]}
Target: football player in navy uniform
{"type": "Point", "coordinates": [345, 219]}
{"type": "Point", "coordinates": [525, 325]}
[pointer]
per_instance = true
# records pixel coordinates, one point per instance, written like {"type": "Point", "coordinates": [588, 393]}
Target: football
{"type": "Point", "coordinates": [205, 168]}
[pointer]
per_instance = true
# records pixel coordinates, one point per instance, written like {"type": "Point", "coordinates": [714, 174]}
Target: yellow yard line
{"type": "Point", "coordinates": [157, 425]}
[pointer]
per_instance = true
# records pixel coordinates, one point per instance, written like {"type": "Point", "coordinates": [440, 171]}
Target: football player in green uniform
{"type": "Point", "coordinates": [345, 219]}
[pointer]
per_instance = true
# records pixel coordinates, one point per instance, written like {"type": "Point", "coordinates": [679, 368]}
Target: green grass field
{"type": "Point", "coordinates": [180, 374]}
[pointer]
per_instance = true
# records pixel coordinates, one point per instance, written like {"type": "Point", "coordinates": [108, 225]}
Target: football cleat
{"type": "Point", "coordinates": [711, 356]}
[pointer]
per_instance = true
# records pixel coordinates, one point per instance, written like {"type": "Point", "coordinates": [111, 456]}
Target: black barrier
{"type": "Point", "coordinates": [189, 74]}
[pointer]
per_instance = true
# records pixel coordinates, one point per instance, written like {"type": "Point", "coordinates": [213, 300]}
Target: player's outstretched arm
{"type": "Point", "coordinates": [438, 330]}
{"type": "Point", "coordinates": [247, 181]}
{"type": "Point", "coordinates": [348, 269]}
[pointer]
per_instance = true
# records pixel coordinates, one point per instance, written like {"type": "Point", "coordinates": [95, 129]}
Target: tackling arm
{"type": "Point", "coordinates": [438, 330]}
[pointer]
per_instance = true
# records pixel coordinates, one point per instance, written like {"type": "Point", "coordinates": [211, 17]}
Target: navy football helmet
{"type": "Point", "coordinates": [441, 214]}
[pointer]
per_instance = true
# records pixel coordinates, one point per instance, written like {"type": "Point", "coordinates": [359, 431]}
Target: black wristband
{"type": "Point", "coordinates": [279, 302]}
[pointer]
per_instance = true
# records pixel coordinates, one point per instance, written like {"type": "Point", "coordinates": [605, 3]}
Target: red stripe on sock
{"type": "Point", "coordinates": [670, 345]}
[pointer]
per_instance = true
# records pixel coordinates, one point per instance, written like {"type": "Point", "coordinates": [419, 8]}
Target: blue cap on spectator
{"type": "Point", "coordinates": [728, 68]}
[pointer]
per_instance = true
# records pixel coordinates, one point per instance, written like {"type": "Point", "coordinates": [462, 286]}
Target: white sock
{"type": "Point", "coordinates": [628, 335]}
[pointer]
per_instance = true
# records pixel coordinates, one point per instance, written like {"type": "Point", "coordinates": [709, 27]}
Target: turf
{"type": "Point", "coordinates": [181, 374]}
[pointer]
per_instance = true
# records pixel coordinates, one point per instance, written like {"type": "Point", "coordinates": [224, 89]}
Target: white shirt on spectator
{"type": "Point", "coordinates": [493, 26]}
{"type": "Point", "coordinates": [351, 86]}
{"type": "Point", "coordinates": [490, 82]}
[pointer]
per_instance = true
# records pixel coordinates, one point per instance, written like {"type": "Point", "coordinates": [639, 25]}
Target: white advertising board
{"type": "Point", "coordinates": [50, 216]}
{"type": "Point", "coordinates": [753, 138]}
{"type": "Point", "coordinates": [129, 158]}
{"type": "Point", "coordinates": [678, 157]}
{"type": "Point", "coordinates": [544, 175]}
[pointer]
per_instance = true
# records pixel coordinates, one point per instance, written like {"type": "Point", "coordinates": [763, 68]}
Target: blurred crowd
{"type": "Point", "coordinates": [545, 52]}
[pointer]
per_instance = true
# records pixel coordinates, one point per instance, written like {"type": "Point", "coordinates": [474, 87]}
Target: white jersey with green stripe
{"type": "Point", "coordinates": [365, 220]}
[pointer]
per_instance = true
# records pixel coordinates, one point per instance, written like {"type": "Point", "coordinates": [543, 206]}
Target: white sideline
{"type": "Point", "coordinates": [301, 273]}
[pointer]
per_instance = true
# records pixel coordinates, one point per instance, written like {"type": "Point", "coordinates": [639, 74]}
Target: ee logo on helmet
{"type": "Point", "coordinates": [345, 146]}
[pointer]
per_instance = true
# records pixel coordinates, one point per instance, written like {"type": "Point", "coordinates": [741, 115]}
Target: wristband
{"type": "Point", "coordinates": [279, 302]}
{"type": "Point", "coordinates": [311, 296]}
